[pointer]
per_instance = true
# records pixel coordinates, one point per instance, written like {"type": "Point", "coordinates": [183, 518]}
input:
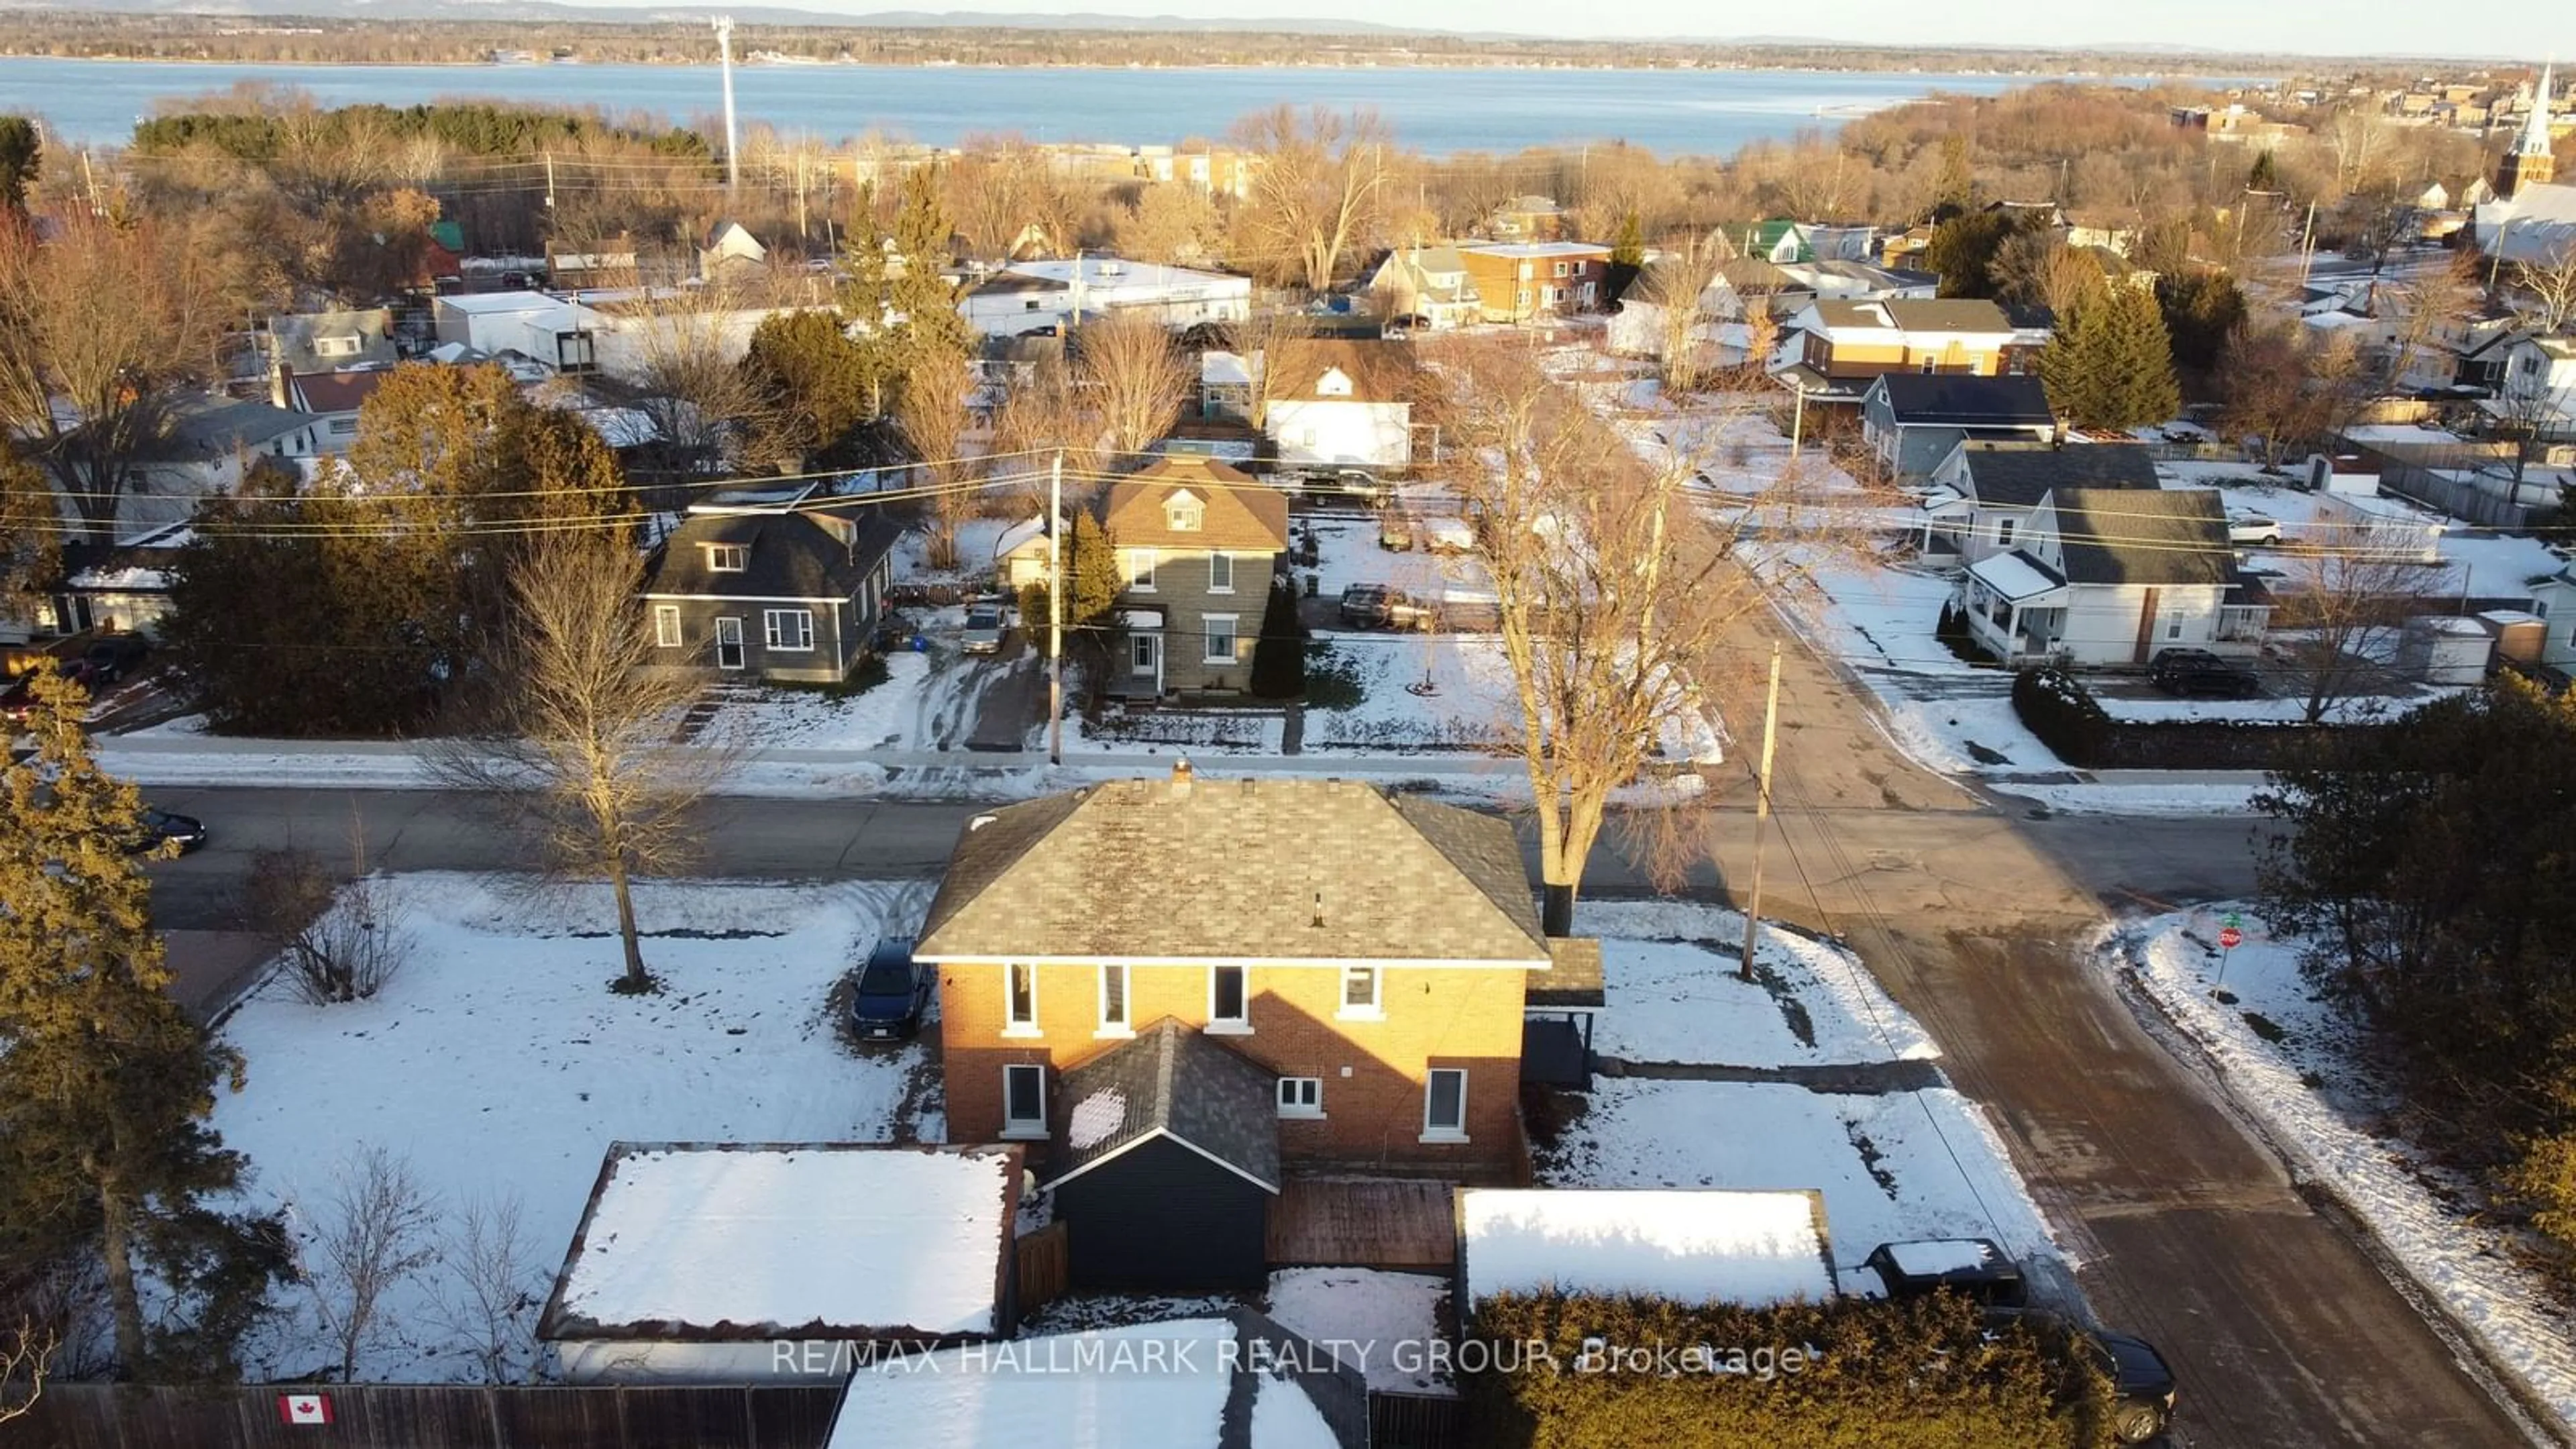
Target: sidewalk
{"type": "Point", "coordinates": [182, 760]}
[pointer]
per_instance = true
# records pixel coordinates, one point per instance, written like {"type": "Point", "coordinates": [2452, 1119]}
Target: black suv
{"type": "Point", "coordinates": [2197, 672]}
{"type": "Point", "coordinates": [2142, 1384]}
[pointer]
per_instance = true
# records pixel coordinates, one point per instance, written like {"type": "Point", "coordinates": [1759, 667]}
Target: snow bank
{"type": "Point", "coordinates": [1751, 1248]}
{"type": "Point", "coordinates": [2316, 1103]}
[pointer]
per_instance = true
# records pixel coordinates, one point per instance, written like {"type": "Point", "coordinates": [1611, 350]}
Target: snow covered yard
{"type": "Point", "coordinates": [2292, 1061]}
{"type": "Point", "coordinates": [1347, 552]}
{"type": "Point", "coordinates": [498, 1065]}
{"type": "Point", "coordinates": [1669, 972]}
{"type": "Point", "coordinates": [1416, 691]}
{"type": "Point", "coordinates": [1373, 1321]}
{"type": "Point", "coordinates": [1901, 1162]}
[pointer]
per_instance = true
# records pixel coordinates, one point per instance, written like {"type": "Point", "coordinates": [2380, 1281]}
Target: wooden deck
{"type": "Point", "coordinates": [1362, 1222]}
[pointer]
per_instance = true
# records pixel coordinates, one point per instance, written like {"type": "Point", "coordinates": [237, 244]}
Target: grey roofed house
{"type": "Point", "coordinates": [2014, 400]}
{"type": "Point", "coordinates": [1169, 1082]}
{"type": "Point", "coordinates": [2128, 536]}
{"type": "Point", "coordinates": [303, 342]}
{"type": "Point", "coordinates": [2021, 477]}
{"type": "Point", "coordinates": [206, 428]}
{"type": "Point", "coordinates": [1332, 870]}
{"type": "Point", "coordinates": [793, 555]}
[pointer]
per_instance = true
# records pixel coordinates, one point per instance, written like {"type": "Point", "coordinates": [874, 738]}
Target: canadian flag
{"type": "Point", "coordinates": [304, 1408]}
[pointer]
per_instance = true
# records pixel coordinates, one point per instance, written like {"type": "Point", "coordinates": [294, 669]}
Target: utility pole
{"type": "Point", "coordinates": [1761, 815]}
{"type": "Point", "coordinates": [1798, 419]}
{"type": "Point", "coordinates": [800, 192]}
{"type": "Point", "coordinates": [2308, 244]}
{"type": "Point", "coordinates": [1055, 610]}
{"type": "Point", "coordinates": [550, 180]}
{"type": "Point", "coordinates": [724, 57]}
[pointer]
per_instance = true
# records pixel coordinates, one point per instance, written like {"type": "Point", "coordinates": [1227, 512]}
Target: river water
{"type": "Point", "coordinates": [1439, 111]}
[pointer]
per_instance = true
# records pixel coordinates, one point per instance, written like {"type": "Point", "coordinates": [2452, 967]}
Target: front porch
{"type": "Point", "coordinates": [2016, 607]}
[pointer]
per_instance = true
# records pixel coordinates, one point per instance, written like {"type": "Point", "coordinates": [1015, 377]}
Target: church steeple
{"type": "Point", "coordinates": [2532, 159]}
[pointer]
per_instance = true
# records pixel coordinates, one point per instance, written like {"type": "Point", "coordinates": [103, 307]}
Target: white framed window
{"type": "Point", "coordinates": [341, 346]}
{"type": "Point", "coordinates": [2004, 532]}
{"type": "Point", "coordinates": [1113, 1003]}
{"type": "Point", "coordinates": [1301, 1096]}
{"type": "Point", "coordinates": [1185, 515]}
{"type": "Point", "coordinates": [1360, 994]}
{"type": "Point", "coordinates": [1220, 573]}
{"type": "Point", "coordinates": [1220, 637]}
{"type": "Point", "coordinates": [790, 631]}
{"type": "Point", "coordinates": [728, 558]}
{"type": "Point", "coordinates": [666, 626]}
{"type": "Point", "coordinates": [1023, 1101]}
{"type": "Point", "coordinates": [1561, 269]}
{"type": "Point", "coordinates": [1229, 999]}
{"type": "Point", "coordinates": [1143, 652]}
{"type": "Point", "coordinates": [1140, 570]}
{"type": "Point", "coordinates": [2173, 627]}
{"type": "Point", "coordinates": [1444, 1105]}
{"type": "Point", "coordinates": [1020, 999]}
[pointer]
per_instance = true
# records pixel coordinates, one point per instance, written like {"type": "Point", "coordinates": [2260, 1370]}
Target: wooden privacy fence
{"type": "Point", "coordinates": [1415, 1421]}
{"type": "Point", "coordinates": [1045, 1267]}
{"type": "Point", "coordinates": [432, 1416]}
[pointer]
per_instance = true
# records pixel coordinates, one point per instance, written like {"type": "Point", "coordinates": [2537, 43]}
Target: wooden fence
{"type": "Point", "coordinates": [1045, 1267]}
{"type": "Point", "coordinates": [1415, 1421]}
{"type": "Point", "coordinates": [433, 1416]}
{"type": "Point", "coordinates": [2491, 499]}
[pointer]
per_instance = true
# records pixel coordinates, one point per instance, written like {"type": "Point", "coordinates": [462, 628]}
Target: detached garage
{"type": "Point", "coordinates": [1170, 1162]}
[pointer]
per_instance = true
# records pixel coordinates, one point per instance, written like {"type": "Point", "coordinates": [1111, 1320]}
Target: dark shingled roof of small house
{"type": "Point", "coordinates": [1174, 1082]}
{"type": "Point", "coordinates": [2020, 477]}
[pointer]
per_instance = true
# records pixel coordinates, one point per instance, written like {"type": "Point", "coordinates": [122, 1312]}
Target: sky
{"type": "Point", "coordinates": [2532, 29]}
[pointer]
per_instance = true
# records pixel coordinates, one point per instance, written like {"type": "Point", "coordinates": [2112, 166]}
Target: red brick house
{"type": "Point", "coordinates": [1370, 953]}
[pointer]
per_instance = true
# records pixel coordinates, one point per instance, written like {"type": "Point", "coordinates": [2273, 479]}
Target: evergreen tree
{"type": "Point", "coordinates": [1962, 251]}
{"type": "Point", "coordinates": [1629, 248]}
{"type": "Point", "coordinates": [1956, 190]}
{"type": "Point", "coordinates": [2264, 174]}
{"type": "Point", "coordinates": [1092, 583]}
{"type": "Point", "coordinates": [810, 371]}
{"type": "Point", "coordinates": [2111, 364]}
{"type": "Point", "coordinates": [1279, 656]}
{"type": "Point", "coordinates": [2200, 309]}
{"type": "Point", "coordinates": [105, 1085]}
{"type": "Point", "coordinates": [21, 152]}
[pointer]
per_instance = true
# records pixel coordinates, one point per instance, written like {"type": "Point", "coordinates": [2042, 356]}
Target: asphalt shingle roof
{"type": "Point", "coordinates": [1234, 870]}
{"type": "Point", "coordinates": [2128, 536]}
{"type": "Point", "coordinates": [792, 555]}
{"type": "Point", "coordinates": [1380, 372]}
{"type": "Point", "coordinates": [1240, 513]}
{"type": "Point", "coordinates": [2020, 477]}
{"type": "Point", "coordinates": [1958, 400]}
{"type": "Point", "coordinates": [1175, 1081]}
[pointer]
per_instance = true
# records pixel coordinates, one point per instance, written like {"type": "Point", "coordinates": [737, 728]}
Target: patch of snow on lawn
{"type": "Point", "coordinates": [1372, 1321]}
{"type": "Point", "coordinates": [1673, 997]}
{"type": "Point", "coordinates": [1749, 1248]}
{"type": "Point", "coordinates": [1470, 703]}
{"type": "Point", "coordinates": [499, 1063]}
{"type": "Point", "coordinates": [881, 716]}
{"type": "Point", "coordinates": [1157, 1386]}
{"type": "Point", "coordinates": [1284, 1418]}
{"type": "Point", "coordinates": [2319, 1107]}
{"type": "Point", "coordinates": [1885, 1162]}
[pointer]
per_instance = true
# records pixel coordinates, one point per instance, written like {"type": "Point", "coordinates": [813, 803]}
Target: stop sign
{"type": "Point", "coordinates": [2230, 937]}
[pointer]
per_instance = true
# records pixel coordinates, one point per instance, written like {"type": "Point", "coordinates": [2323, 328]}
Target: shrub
{"type": "Point", "coordinates": [1279, 655]}
{"type": "Point", "coordinates": [2055, 706]}
{"type": "Point", "coordinates": [346, 951]}
{"type": "Point", "coordinates": [1916, 1374]}
{"type": "Point", "coordinates": [1953, 633]}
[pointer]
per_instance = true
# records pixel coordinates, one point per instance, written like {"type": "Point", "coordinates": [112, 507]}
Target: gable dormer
{"type": "Point", "coordinates": [1184, 512]}
{"type": "Point", "coordinates": [1334, 383]}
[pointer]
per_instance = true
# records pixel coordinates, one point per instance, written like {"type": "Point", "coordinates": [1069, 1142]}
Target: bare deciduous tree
{"type": "Point", "coordinates": [1169, 221]}
{"type": "Point", "coordinates": [689, 379]}
{"type": "Point", "coordinates": [1612, 588]}
{"type": "Point", "coordinates": [2547, 287]}
{"type": "Point", "coordinates": [1268, 341]}
{"type": "Point", "coordinates": [99, 330]}
{"type": "Point", "coordinates": [1136, 376]}
{"type": "Point", "coordinates": [930, 410]}
{"type": "Point", "coordinates": [1315, 189]}
{"type": "Point", "coordinates": [2343, 608]}
{"type": "Point", "coordinates": [374, 1229]}
{"type": "Point", "coordinates": [26, 1358]}
{"type": "Point", "coordinates": [492, 1285]}
{"type": "Point", "coordinates": [578, 743]}
{"type": "Point", "coordinates": [340, 943]}
{"type": "Point", "coordinates": [1678, 284]}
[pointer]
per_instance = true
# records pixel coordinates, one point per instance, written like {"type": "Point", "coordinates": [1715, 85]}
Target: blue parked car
{"type": "Point", "coordinates": [893, 991]}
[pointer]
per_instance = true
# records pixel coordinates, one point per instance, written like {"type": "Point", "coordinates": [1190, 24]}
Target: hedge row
{"type": "Point", "coordinates": [1619, 1373]}
{"type": "Point", "coordinates": [2055, 706]}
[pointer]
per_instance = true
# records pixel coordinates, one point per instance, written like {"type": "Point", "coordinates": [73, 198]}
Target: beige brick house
{"type": "Point", "coordinates": [1374, 954]}
{"type": "Point", "coordinates": [1197, 542]}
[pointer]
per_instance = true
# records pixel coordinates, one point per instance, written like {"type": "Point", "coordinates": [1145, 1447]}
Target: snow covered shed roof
{"type": "Point", "coordinates": [1687, 1245]}
{"type": "Point", "coordinates": [1187, 1383]}
{"type": "Point", "coordinates": [748, 1241]}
